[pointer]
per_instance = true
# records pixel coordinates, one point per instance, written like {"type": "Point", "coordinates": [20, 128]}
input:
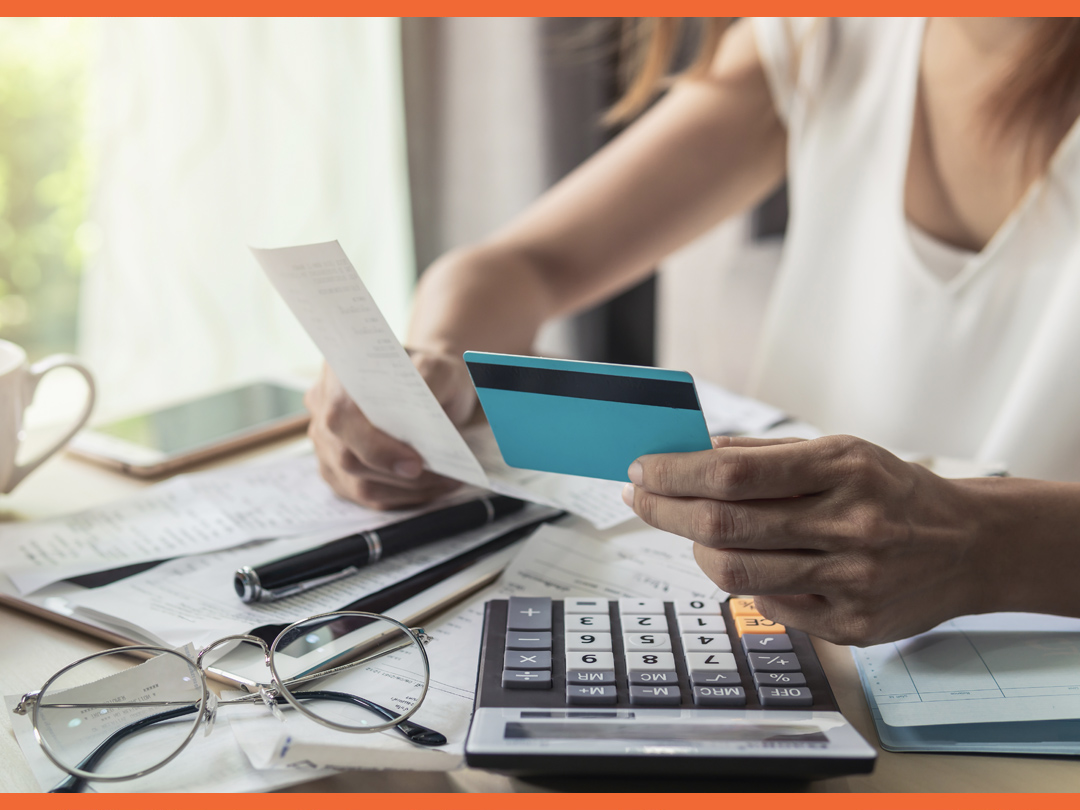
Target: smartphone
{"type": "Point", "coordinates": [162, 441]}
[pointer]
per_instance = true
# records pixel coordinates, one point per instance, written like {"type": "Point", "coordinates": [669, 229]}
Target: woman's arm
{"type": "Point", "coordinates": [710, 148]}
{"type": "Point", "coordinates": [844, 540]}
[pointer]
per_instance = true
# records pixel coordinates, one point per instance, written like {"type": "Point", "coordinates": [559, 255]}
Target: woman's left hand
{"type": "Point", "coordinates": [834, 536]}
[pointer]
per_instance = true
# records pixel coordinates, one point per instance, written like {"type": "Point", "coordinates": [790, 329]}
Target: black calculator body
{"type": "Point", "coordinates": [648, 687]}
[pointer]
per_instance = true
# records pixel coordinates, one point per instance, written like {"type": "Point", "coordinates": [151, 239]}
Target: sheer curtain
{"type": "Point", "coordinates": [215, 134]}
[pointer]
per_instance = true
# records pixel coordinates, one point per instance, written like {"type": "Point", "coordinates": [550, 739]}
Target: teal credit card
{"type": "Point", "coordinates": [591, 419]}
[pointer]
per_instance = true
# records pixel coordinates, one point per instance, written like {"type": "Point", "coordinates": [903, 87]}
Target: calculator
{"type": "Point", "coordinates": [651, 687]}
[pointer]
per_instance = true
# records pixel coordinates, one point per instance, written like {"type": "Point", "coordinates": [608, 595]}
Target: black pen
{"type": "Point", "coordinates": [343, 558]}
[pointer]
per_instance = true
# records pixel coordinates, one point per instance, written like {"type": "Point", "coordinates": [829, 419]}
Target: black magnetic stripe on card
{"type": "Point", "coordinates": [585, 385]}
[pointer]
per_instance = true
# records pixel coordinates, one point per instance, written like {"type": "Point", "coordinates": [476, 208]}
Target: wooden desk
{"type": "Point", "coordinates": [32, 649]}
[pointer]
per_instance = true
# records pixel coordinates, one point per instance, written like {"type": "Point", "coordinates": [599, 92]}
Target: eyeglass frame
{"type": "Point", "coordinates": [267, 693]}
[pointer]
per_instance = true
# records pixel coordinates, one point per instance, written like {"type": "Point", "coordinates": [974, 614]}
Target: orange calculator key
{"type": "Point", "coordinates": [742, 606]}
{"type": "Point", "coordinates": [757, 624]}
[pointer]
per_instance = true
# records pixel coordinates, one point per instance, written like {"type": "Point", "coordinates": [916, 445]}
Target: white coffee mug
{"type": "Point", "coordinates": [18, 381]}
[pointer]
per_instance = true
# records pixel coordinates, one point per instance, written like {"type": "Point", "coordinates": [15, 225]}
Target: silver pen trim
{"type": "Point", "coordinates": [374, 545]}
{"type": "Point", "coordinates": [250, 587]}
{"type": "Point", "coordinates": [255, 592]}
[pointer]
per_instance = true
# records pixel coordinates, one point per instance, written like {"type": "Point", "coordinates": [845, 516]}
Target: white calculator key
{"type": "Point", "coordinates": [585, 605]}
{"type": "Point", "coordinates": [641, 624]}
{"type": "Point", "coordinates": [641, 607]}
{"type": "Point", "coordinates": [601, 642]}
{"type": "Point", "coordinates": [706, 642]}
{"type": "Point", "coordinates": [697, 607]}
{"type": "Point", "coordinates": [702, 624]}
{"type": "Point", "coordinates": [722, 662]}
{"type": "Point", "coordinates": [646, 642]}
{"type": "Point", "coordinates": [577, 661]}
{"type": "Point", "coordinates": [584, 622]}
{"type": "Point", "coordinates": [659, 660]}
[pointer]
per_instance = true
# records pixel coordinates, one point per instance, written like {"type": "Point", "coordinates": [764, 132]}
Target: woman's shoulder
{"type": "Point", "coordinates": [801, 54]}
{"type": "Point", "coordinates": [791, 37]}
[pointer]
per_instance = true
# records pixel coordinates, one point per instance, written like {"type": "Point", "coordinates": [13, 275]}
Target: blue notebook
{"type": "Point", "coordinates": [996, 684]}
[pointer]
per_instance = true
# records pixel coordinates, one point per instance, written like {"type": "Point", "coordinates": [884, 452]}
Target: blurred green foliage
{"type": "Point", "coordinates": [43, 180]}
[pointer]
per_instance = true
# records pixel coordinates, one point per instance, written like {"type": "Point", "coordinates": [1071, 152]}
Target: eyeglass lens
{"type": "Point", "coordinates": [113, 717]}
{"type": "Point", "coordinates": [386, 678]}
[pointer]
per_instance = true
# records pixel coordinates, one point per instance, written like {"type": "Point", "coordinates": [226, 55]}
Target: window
{"type": "Point", "coordinates": [161, 149]}
{"type": "Point", "coordinates": [43, 181]}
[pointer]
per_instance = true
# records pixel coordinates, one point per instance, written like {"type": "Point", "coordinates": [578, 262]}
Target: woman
{"type": "Point", "coordinates": [929, 298]}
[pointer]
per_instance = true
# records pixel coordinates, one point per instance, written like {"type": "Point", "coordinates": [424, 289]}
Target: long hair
{"type": "Point", "coordinates": [1040, 97]}
{"type": "Point", "coordinates": [1036, 102]}
{"type": "Point", "coordinates": [648, 46]}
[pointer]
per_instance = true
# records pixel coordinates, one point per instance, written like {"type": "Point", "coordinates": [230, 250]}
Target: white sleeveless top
{"type": "Point", "coordinates": [976, 356]}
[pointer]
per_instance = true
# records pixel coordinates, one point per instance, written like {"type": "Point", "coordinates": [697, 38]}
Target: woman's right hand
{"type": "Point", "coordinates": [365, 465]}
{"type": "Point", "coordinates": [711, 147]}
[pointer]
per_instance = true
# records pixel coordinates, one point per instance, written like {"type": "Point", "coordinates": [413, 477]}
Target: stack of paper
{"type": "Point", "coordinates": [555, 561]}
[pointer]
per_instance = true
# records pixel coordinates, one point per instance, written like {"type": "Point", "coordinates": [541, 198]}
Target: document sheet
{"type": "Point", "coordinates": [555, 561]}
{"type": "Point", "coordinates": [191, 599]}
{"type": "Point", "coordinates": [729, 413]}
{"type": "Point", "coordinates": [994, 668]}
{"type": "Point", "coordinates": [324, 291]}
{"type": "Point", "coordinates": [190, 514]}
{"type": "Point", "coordinates": [595, 499]}
{"type": "Point", "coordinates": [166, 521]}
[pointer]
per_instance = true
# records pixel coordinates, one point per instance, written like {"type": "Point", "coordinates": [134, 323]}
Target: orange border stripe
{"type": "Point", "coordinates": [552, 8]}
{"type": "Point", "coordinates": [545, 801]}
{"type": "Point", "coordinates": [539, 801]}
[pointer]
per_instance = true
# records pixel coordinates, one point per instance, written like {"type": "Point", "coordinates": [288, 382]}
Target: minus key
{"type": "Point", "coordinates": [526, 679]}
{"type": "Point", "coordinates": [523, 640]}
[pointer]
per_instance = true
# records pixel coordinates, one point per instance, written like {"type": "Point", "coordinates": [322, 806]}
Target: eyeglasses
{"type": "Point", "coordinates": [107, 718]}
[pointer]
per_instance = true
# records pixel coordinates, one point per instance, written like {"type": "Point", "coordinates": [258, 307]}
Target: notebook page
{"type": "Point", "coordinates": [1000, 667]}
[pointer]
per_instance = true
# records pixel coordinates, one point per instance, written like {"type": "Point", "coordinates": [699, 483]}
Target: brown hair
{"type": "Point", "coordinates": [1037, 101]}
{"type": "Point", "coordinates": [1040, 98]}
{"type": "Point", "coordinates": [648, 48]}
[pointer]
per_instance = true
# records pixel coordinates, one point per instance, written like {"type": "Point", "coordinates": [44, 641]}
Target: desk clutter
{"type": "Point", "coordinates": [594, 645]}
{"type": "Point", "coordinates": [588, 685]}
{"type": "Point", "coordinates": [636, 568]}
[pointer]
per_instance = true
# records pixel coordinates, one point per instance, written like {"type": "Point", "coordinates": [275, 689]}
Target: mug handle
{"type": "Point", "coordinates": [33, 377]}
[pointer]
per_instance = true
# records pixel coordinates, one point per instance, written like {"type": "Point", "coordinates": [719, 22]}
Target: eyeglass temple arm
{"type": "Point", "coordinates": [421, 735]}
{"type": "Point", "coordinates": [73, 783]}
